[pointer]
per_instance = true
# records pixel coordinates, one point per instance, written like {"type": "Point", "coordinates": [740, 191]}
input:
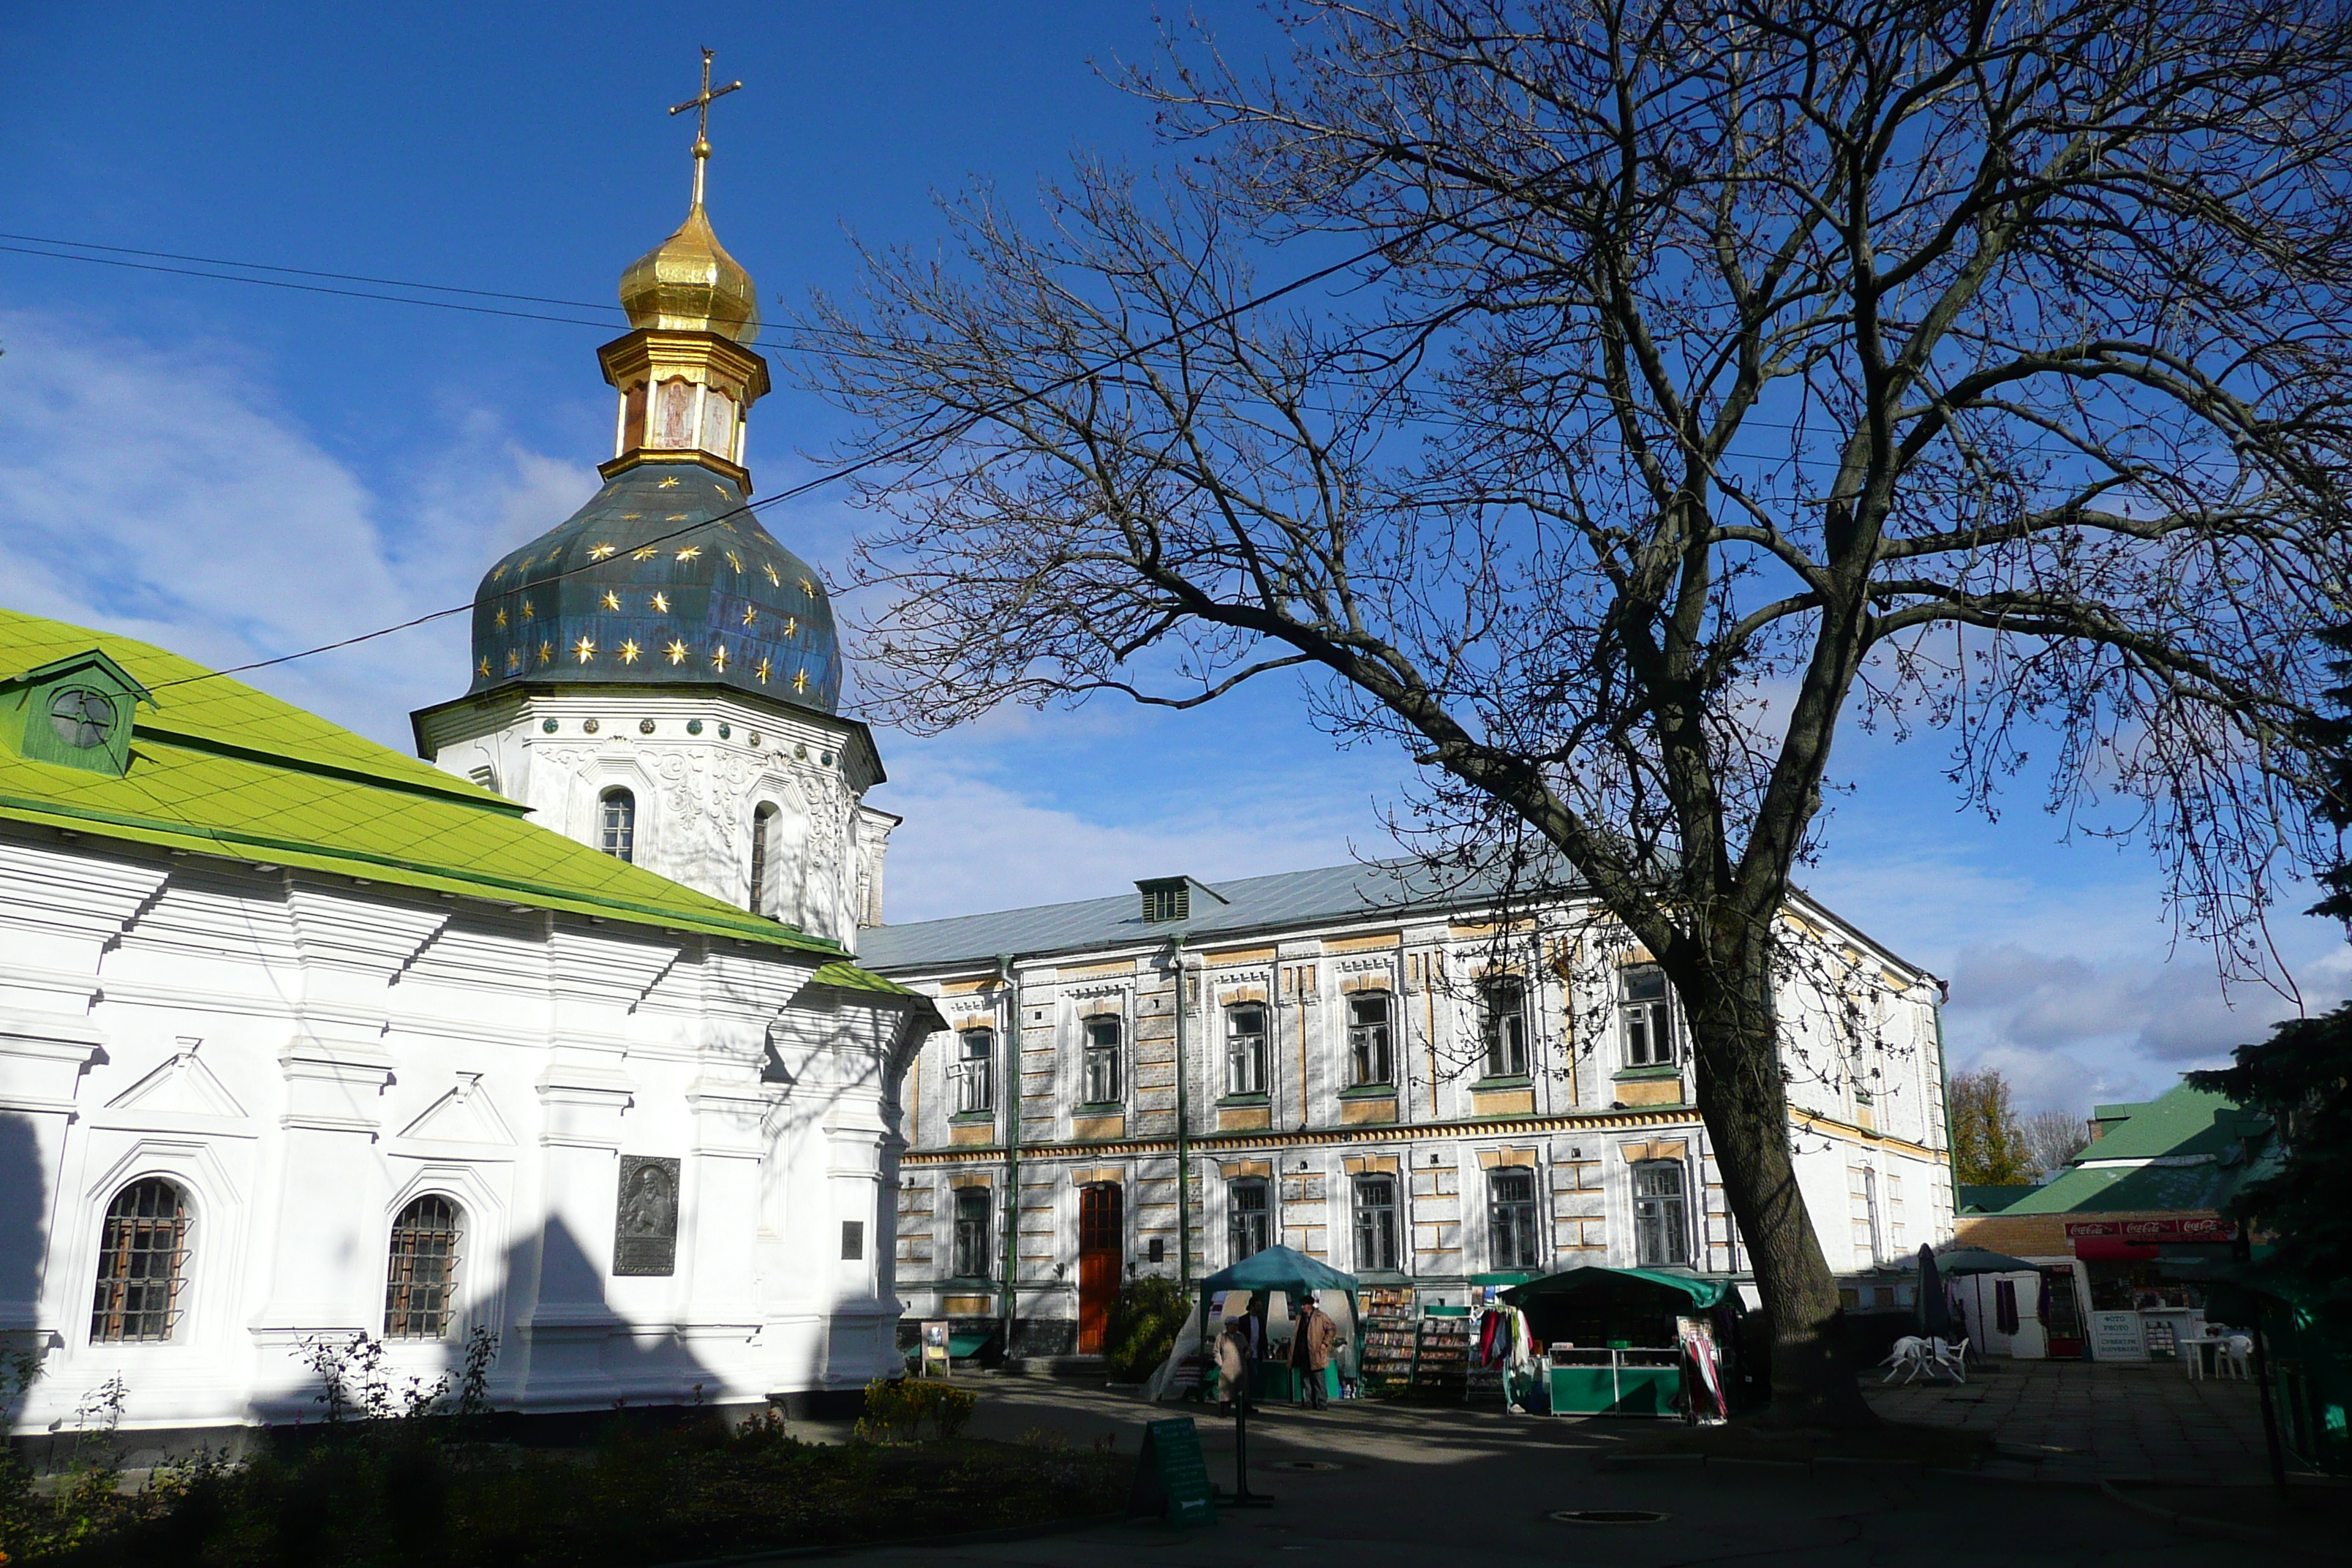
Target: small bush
{"type": "Point", "coordinates": [1142, 1328]}
{"type": "Point", "coordinates": [897, 1408]}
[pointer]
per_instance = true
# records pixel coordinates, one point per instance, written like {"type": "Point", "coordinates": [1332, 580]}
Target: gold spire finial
{"type": "Point", "coordinates": [700, 103]}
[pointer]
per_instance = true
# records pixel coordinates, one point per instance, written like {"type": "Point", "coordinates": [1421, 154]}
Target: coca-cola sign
{"type": "Point", "coordinates": [2185, 1227]}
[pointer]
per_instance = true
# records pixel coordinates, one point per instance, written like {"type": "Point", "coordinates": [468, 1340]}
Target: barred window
{"type": "Point", "coordinates": [1511, 1218]}
{"type": "Point", "coordinates": [1248, 1218]}
{"type": "Point", "coordinates": [1376, 1221]}
{"type": "Point", "coordinates": [972, 1257]}
{"type": "Point", "coordinates": [1661, 1214]}
{"type": "Point", "coordinates": [1369, 1059]}
{"type": "Point", "coordinates": [616, 824]}
{"type": "Point", "coordinates": [1101, 1065]}
{"type": "Point", "coordinates": [421, 1289]}
{"type": "Point", "coordinates": [142, 1264]}
{"type": "Point", "coordinates": [1245, 1050]}
{"type": "Point", "coordinates": [763, 859]}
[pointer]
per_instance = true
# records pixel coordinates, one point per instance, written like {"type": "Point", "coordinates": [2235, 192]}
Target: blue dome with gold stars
{"type": "Point", "coordinates": [664, 580]}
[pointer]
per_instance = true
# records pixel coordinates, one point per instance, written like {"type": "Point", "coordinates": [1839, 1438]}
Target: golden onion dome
{"type": "Point", "coordinates": [689, 284]}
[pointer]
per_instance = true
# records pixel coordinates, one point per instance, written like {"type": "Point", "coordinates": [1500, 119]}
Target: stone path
{"type": "Point", "coordinates": [2092, 1420]}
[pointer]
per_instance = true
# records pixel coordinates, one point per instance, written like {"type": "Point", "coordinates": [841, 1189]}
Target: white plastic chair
{"type": "Point", "coordinates": [2238, 1356]}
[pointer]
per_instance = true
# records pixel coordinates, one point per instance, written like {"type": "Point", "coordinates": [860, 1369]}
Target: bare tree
{"type": "Point", "coordinates": [2052, 1138]}
{"type": "Point", "coordinates": [1725, 371]}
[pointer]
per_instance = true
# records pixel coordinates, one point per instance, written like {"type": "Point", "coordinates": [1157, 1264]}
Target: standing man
{"type": "Point", "coordinates": [1310, 1349]}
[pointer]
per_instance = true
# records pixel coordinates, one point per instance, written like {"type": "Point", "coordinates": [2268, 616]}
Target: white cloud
{"type": "Point", "coordinates": [162, 494]}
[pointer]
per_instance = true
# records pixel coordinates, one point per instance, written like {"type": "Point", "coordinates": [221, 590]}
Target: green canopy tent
{"type": "Point", "coordinates": [1294, 1274]}
{"type": "Point", "coordinates": [1978, 1260]}
{"type": "Point", "coordinates": [1621, 1323]}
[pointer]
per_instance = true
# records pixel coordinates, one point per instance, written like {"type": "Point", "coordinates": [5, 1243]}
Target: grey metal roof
{"type": "Point", "coordinates": [1250, 904]}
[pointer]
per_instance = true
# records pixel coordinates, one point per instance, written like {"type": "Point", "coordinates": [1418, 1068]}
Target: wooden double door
{"type": "Point", "coordinates": [1102, 1251]}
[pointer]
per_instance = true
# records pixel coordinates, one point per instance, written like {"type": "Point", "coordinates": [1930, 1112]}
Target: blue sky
{"type": "Point", "coordinates": [241, 471]}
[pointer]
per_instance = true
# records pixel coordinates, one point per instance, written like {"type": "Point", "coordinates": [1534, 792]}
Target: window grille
{"type": "Point", "coordinates": [1101, 1065]}
{"type": "Point", "coordinates": [1376, 1223]}
{"type": "Point", "coordinates": [1661, 1214]}
{"type": "Point", "coordinates": [975, 1071]}
{"type": "Point", "coordinates": [617, 825]}
{"type": "Point", "coordinates": [1245, 1050]}
{"type": "Point", "coordinates": [1248, 1219]}
{"type": "Point", "coordinates": [421, 1287]}
{"type": "Point", "coordinates": [1503, 1026]}
{"type": "Point", "coordinates": [142, 1264]}
{"type": "Point", "coordinates": [1511, 1218]}
{"type": "Point", "coordinates": [763, 859]}
{"type": "Point", "coordinates": [972, 1259]}
{"type": "Point", "coordinates": [1369, 1057]}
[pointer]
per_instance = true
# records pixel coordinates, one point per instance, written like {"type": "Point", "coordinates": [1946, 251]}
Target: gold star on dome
{"type": "Point", "coordinates": [668, 484]}
{"type": "Point", "coordinates": [500, 620]}
{"type": "Point", "coordinates": [689, 552]}
{"type": "Point", "coordinates": [546, 653]}
{"type": "Point", "coordinates": [483, 669]}
{"type": "Point", "coordinates": [766, 669]}
{"type": "Point", "coordinates": [555, 556]}
{"type": "Point", "coordinates": [524, 565]}
{"type": "Point", "coordinates": [646, 554]}
{"type": "Point", "coordinates": [676, 517]}
{"type": "Point", "coordinates": [718, 658]}
{"type": "Point", "coordinates": [808, 588]}
{"type": "Point", "coordinates": [601, 552]}
{"type": "Point", "coordinates": [769, 567]}
{"type": "Point", "coordinates": [800, 680]}
{"type": "Point", "coordinates": [584, 649]}
{"type": "Point", "coordinates": [526, 609]}
{"type": "Point", "coordinates": [750, 614]}
{"type": "Point", "coordinates": [792, 624]}
{"type": "Point", "coordinates": [629, 651]}
{"type": "Point", "coordinates": [736, 561]}
{"type": "Point", "coordinates": [661, 603]}
{"type": "Point", "coordinates": [514, 660]}
{"type": "Point", "coordinates": [719, 488]}
{"type": "Point", "coordinates": [611, 601]}
{"type": "Point", "coordinates": [633, 517]}
{"type": "Point", "coordinates": [500, 572]}
{"type": "Point", "coordinates": [676, 651]}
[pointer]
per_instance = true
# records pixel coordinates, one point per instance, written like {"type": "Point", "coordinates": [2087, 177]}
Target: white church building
{"type": "Point", "coordinates": [556, 1034]}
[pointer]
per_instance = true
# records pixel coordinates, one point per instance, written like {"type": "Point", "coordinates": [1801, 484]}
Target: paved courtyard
{"type": "Point", "coordinates": [1414, 1484]}
{"type": "Point", "coordinates": [2086, 1420]}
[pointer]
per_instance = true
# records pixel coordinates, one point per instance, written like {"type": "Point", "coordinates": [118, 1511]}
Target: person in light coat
{"type": "Point", "coordinates": [1233, 1365]}
{"type": "Point", "coordinates": [1310, 1349]}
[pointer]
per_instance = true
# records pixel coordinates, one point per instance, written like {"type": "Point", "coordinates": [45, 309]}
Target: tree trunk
{"type": "Point", "coordinates": [1743, 1098]}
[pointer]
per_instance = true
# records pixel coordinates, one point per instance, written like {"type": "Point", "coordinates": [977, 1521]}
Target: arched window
{"type": "Point", "coordinates": [421, 1287]}
{"type": "Point", "coordinates": [763, 859]}
{"type": "Point", "coordinates": [143, 1262]}
{"type": "Point", "coordinates": [616, 824]}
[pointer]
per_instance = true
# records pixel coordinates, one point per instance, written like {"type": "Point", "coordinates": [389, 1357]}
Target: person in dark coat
{"type": "Point", "coordinates": [1311, 1344]}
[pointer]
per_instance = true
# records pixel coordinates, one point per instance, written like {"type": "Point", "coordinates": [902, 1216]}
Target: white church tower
{"type": "Point", "coordinates": [657, 677]}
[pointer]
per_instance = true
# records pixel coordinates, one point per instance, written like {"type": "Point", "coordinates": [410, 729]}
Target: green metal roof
{"type": "Point", "coordinates": [2190, 1150]}
{"type": "Point", "coordinates": [218, 768]}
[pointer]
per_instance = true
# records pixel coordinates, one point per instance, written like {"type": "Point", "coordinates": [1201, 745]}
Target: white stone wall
{"type": "Point", "coordinates": [303, 1055]}
{"type": "Point", "coordinates": [696, 793]}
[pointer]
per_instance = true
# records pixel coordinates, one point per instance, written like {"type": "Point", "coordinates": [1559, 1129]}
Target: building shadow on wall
{"type": "Point", "coordinates": [23, 1244]}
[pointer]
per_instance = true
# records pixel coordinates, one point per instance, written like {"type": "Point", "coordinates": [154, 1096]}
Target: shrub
{"type": "Point", "coordinates": [895, 1409]}
{"type": "Point", "coordinates": [1142, 1328]}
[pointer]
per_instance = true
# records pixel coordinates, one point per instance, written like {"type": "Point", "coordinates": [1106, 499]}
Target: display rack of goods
{"type": "Point", "coordinates": [1443, 1354]}
{"type": "Point", "coordinates": [1388, 1321]}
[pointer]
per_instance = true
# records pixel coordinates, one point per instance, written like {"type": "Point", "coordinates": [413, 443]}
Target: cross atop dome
{"type": "Point", "coordinates": [688, 283]}
{"type": "Point", "coordinates": [700, 103]}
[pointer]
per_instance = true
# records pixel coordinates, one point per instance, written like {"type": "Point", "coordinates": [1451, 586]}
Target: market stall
{"type": "Point", "coordinates": [1630, 1341]}
{"type": "Point", "coordinates": [1293, 1276]}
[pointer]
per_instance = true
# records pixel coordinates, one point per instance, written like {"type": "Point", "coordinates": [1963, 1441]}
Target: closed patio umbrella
{"type": "Point", "coordinates": [1935, 1312]}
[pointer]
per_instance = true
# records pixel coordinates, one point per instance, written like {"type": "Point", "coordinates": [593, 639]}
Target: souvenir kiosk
{"type": "Point", "coordinates": [1630, 1341]}
{"type": "Point", "coordinates": [1294, 1276]}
